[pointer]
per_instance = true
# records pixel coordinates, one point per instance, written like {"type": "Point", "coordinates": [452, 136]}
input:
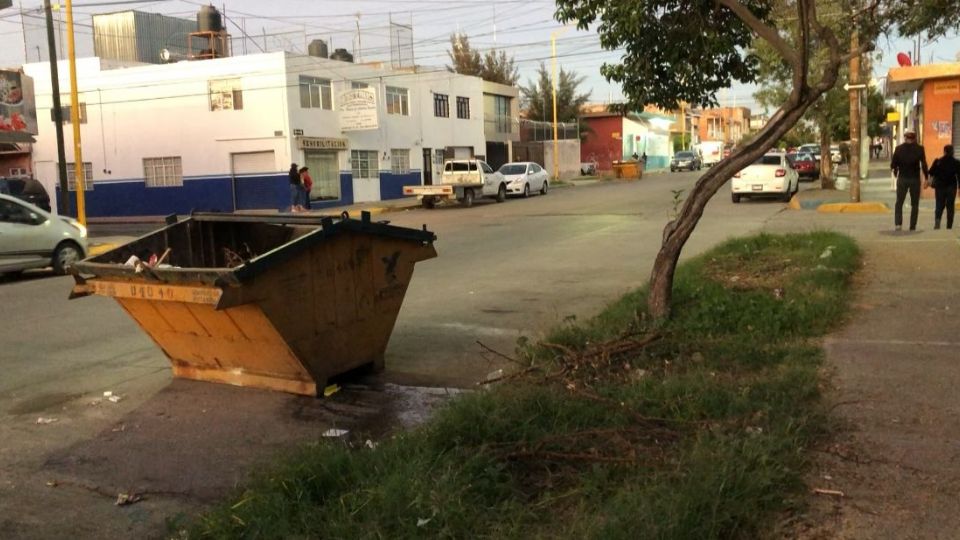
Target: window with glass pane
{"type": "Point", "coordinates": [225, 95]}
{"type": "Point", "coordinates": [441, 105]}
{"type": "Point", "coordinates": [438, 156]}
{"type": "Point", "coordinates": [364, 164]}
{"type": "Point", "coordinates": [315, 93]}
{"type": "Point", "coordinates": [357, 85]}
{"type": "Point", "coordinates": [463, 107]}
{"type": "Point", "coordinates": [501, 105]}
{"type": "Point", "coordinates": [87, 176]}
{"type": "Point", "coordinates": [399, 161]}
{"type": "Point", "coordinates": [398, 101]}
{"type": "Point", "coordinates": [163, 171]}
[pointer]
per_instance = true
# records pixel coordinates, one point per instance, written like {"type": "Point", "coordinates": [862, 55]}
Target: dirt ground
{"type": "Point", "coordinates": [892, 470]}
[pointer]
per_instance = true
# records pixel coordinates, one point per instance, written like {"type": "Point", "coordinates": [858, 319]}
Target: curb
{"type": "Point", "coordinates": [99, 249]}
{"type": "Point", "coordinates": [854, 208]}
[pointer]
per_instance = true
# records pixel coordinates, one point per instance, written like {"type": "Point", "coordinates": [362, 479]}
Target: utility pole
{"type": "Point", "coordinates": [75, 119]}
{"type": "Point", "coordinates": [556, 142]}
{"type": "Point", "coordinates": [854, 89]}
{"type": "Point", "coordinates": [63, 206]}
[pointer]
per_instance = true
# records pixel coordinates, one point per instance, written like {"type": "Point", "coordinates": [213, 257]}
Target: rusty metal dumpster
{"type": "Point", "coordinates": [282, 303]}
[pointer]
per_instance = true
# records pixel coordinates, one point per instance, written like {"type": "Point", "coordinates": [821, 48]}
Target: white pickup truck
{"type": "Point", "coordinates": [464, 180]}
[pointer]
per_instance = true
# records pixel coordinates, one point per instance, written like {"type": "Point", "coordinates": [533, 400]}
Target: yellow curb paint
{"type": "Point", "coordinates": [794, 203]}
{"type": "Point", "coordinates": [100, 249]}
{"type": "Point", "coordinates": [854, 208]}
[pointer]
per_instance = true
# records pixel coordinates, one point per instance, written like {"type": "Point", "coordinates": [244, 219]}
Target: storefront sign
{"type": "Point", "coordinates": [893, 116]}
{"type": "Point", "coordinates": [18, 112]}
{"type": "Point", "coordinates": [321, 143]}
{"type": "Point", "coordinates": [946, 87]}
{"type": "Point", "coordinates": [358, 110]}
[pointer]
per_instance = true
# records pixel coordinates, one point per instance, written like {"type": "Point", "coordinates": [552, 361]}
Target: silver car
{"type": "Point", "coordinates": [34, 238]}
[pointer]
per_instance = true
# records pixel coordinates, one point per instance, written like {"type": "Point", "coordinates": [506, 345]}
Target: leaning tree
{"type": "Point", "coordinates": [687, 50]}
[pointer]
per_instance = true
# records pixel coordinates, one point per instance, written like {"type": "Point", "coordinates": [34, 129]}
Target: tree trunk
{"type": "Point", "coordinates": [678, 231]}
{"type": "Point", "coordinates": [826, 160]}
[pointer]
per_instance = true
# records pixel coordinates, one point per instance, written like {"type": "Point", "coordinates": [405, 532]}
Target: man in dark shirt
{"type": "Point", "coordinates": [907, 164]}
{"type": "Point", "coordinates": [945, 176]}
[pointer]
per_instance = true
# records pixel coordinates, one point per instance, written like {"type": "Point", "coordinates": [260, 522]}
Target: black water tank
{"type": "Point", "coordinates": [209, 20]}
{"type": "Point", "coordinates": [317, 47]}
{"type": "Point", "coordinates": [341, 55]}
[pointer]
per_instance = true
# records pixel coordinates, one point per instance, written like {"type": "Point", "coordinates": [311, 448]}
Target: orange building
{"type": "Point", "coordinates": [928, 102]}
{"type": "Point", "coordinates": [727, 124]}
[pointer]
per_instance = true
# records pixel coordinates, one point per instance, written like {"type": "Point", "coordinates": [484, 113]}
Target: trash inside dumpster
{"type": "Point", "coordinates": [276, 302]}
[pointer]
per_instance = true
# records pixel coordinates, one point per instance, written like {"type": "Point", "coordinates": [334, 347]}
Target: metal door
{"type": "Point", "coordinates": [427, 167]}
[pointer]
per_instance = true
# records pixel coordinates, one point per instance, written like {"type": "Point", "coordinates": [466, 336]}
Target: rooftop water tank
{"type": "Point", "coordinates": [209, 19]}
{"type": "Point", "coordinates": [317, 47]}
{"type": "Point", "coordinates": [341, 55]}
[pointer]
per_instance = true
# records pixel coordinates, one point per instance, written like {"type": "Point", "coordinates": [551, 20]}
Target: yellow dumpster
{"type": "Point", "coordinates": [276, 302]}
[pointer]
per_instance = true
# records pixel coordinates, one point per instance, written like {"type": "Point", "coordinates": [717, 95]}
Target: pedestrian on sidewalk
{"type": "Point", "coordinates": [296, 189]}
{"type": "Point", "coordinates": [907, 163]}
{"type": "Point", "coordinates": [945, 177]}
{"type": "Point", "coordinates": [307, 186]}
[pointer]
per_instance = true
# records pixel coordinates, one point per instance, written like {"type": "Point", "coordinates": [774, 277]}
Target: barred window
{"type": "Point", "coordinates": [399, 161]}
{"type": "Point", "coordinates": [225, 95]}
{"type": "Point", "coordinates": [163, 171]}
{"type": "Point", "coordinates": [441, 105]}
{"type": "Point", "coordinates": [87, 176]}
{"type": "Point", "coordinates": [463, 107]}
{"type": "Point", "coordinates": [398, 101]}
{"type": "Point", "coordinates": [364, 164]}
{"type": "Point", "coordinates": [315, 93]}
{"type": "Point", "coordinates": [438, 156]}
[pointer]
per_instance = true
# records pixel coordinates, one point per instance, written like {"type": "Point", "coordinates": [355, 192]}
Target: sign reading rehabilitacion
{"type": "Point", "coordinates": [321, 143]}
{"type": "Point", "coordinates": [358, 110]}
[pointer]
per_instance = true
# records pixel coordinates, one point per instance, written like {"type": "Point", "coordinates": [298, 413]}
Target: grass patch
{"type": "Point", "coordinates": [611, 432]}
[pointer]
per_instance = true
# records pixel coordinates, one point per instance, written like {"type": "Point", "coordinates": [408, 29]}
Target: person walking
{"type": "Point", "coordinates": [307, 186]}
{"type": "Point", "coordinates": [945, 177]}
{"type": "Point", "coordinates": [296, 189]}
{"type": "Point", "coordinates": [907, 163]}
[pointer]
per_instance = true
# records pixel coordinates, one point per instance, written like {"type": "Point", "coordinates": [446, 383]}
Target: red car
{"type": "Point", "coordinates": [806, 165]}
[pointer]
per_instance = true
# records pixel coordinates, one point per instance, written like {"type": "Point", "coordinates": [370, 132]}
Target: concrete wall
{"type": "Point", "coordinates": [602, 141]}
{"type": "Point", "coordinates": [569, 154]}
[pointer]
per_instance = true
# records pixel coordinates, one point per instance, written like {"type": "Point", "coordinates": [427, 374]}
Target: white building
{"type": "Point", "coordinates": [221, 134]}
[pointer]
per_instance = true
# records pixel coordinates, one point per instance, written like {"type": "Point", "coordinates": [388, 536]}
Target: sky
{"type": "Point", "coordinates": [522, 28]}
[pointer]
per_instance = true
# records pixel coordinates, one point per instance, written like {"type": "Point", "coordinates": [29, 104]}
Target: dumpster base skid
{"type": "Point", "coordinates": [237, 377]}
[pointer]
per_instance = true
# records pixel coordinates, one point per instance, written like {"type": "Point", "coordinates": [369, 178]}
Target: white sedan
{"type": "Point", "coordinates": [34, 238]}
{"type": "Point", "coordinates": [769, 175]}
{"type": "Point", "coordinates": [524, 177]}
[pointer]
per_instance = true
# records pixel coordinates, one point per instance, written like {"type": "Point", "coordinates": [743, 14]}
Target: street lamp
{"type": "Point", "coordinates": [556, 142]}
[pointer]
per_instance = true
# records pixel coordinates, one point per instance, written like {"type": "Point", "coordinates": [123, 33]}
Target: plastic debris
{"type": "Point", "coordinates": [370, 444]}
{"type": "Point", "coordinates": [423, 521]}
{"type": "Point", "coordinates": [44, 420]}
{"type": "Point", "coordinates": [331, 390]}
{"type": "Point", "coordinates": [124, 499]}
{"type": "Point", "coordinates": [114, 399]}
{"type": "Point", "coordinates": [333, 432]}
{"type": "Point", "coordinates": [107, 394]}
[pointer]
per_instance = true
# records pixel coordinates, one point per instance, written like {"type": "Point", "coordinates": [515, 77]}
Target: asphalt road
{"type": "Point", "coordinates": [503, 271]}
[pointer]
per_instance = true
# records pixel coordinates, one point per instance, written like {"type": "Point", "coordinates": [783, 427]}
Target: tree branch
{"type": "Point", "coordinates": [765, 31]}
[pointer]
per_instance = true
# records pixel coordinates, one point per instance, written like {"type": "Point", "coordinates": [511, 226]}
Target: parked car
{"type": "Point", "coordinates": [463, 180]}
{"type": "Point", "coordinates": [711, 152]}
{"type": "Point", "coordinates": [31, 237]}
{"type": "Point", "coordinates": [769, 175]}
{"type": "Point", "coordinates": [26, 189]}
{"type": "Point", "coordinates": [806, 165]}
{"type": "Point", "coordinates": [686, 160]}
{"type": "Point", "coordinates": [810, 148]}
{"type": "Point", "coordinates": [524, 177]}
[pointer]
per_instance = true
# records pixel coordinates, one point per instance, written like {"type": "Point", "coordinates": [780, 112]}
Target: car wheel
{"type": "Point", "coordinates": [545, 188]}
{"type": "Point", "coordinates": [787, 196]}
{"type": "Point", "coordinates": [66, 254]}
{"type": "Point", "coordinates": [526, 190]}
{"type": "Point", "coordinates": [672, 169]}
{"type": "Point", "coordinates": [467, 200]}
{"type": "Point", "coordinates": [502, 193]}
{"type": "Point", "coordinates": [735, 197]}
{"type": "Point", "coordinates": [428, 203]}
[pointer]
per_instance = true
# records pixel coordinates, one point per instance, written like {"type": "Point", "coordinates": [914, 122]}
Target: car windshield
{"type": "Point", "coordinates": [768, 160]}
{"type": "Point", "coordinates": [513, 168]}
{"type": "Point", "coordinates": [684, 155]}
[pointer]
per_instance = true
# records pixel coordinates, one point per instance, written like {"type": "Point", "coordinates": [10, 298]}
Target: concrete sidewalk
{"type": "Point", "coordinates": [895, 371]}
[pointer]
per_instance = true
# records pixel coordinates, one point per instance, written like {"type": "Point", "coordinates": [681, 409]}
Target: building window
{"type": "Point", "coordinates": [463, 107]}
{"type": "Point", "coordinates": [438, 156]}
{"type": "Point", "coordinates": [163, 171]}
{"type": "Point", "coordinates": [87, 176]}
{"type": "Point", "coordinates": [67, 117]}
{"type": "Point", "coordinates": [399, 161]}
{"type": "Point", "coordinates": [225, 95]}
{"type": "Point", "coordinates": [315, 93]}
{"type": "Point", "coordinates": [19, 171]}
{"type": "Point", "coordinates": [441, 105]}
{"type": "Point", "coordinates": [501, 111]}
{"type": "Point", "coordinates": [356, 85]}
{"type": "Point", "coordinates": [398, 101]}
{"type": "Point", "coordinates": [364, 164]}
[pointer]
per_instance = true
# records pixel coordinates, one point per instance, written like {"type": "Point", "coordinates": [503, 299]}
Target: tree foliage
{"type": "Point", "coordinates": [538, 96]}
{"type": "Point", "coordinates": [494, 66]}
